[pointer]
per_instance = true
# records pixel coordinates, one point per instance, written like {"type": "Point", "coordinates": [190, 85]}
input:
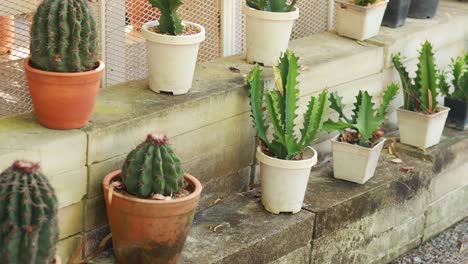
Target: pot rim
{"type": "Point", "coordinates": [268, 15]}
{"type": "Point", "coordinates": [192, 180]}
{"type": "Point", "coordinates": [443, 110]}
{"type": "Point", "coordinates": [361, 7]}
{"type": "Point", "coordinates": [289, 164]}
{"type": "Point", "coordinates": [29, 68]}
{"type": "Point", "coordinates": [334, 140]}
{"type": "Point", "coordinates": [170, 39]}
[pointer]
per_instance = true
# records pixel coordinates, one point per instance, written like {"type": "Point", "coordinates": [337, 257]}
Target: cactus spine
{"type": "Point", "coordinates": [170, 22]}
{"type": "Point", "coordinates": [64, 37]}
{"type": "Point", "coordinates": [152, 168]}
{"type": "Point", "coordinates": [28, 216]}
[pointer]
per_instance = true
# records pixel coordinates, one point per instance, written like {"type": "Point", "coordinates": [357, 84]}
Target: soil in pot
{"type": "Point", "coordinates": [423, 9]}
{"type": "Point", "coordinates": [396, 13]}
{"type": "Point", "coordinates": [149, 230]}
{"type": "Point", "coordinates": [7, 34]}
{"type": "Point", "coordinates": [458, 115]}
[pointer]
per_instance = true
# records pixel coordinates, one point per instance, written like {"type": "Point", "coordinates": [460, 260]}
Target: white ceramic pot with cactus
{"type": "Point", "coordinates": [359, 19]}
{"type": "Point", "coordinates": [285, 158]}
{"type": "Point", "coordinates": [421, 120]}
{"type": "Point", "coordinates": [269, 24]}
{"type": "Point", "coordinates": [172, 49]}
{"type": "Point", "coordinates": [356, 150]}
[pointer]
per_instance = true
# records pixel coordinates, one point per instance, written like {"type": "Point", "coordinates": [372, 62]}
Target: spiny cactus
{"type": "Point", "coordinates": [64, 37]}
{"type": "Point", "coordinates": [420, 93]}
{"type": "Point", "coordinates": [364, 2]}
{"type": "Point", "coordinates": [281, 107]}
{"type": "Point", "coordinates": [459, 70]}
{"type": "Point", "coordinates": [272, 5]}
{"type": "Point", "coordinates": [28, 216]}
{"type": "Point", "coordinates": [170, 22]}
{"type": "Point", "coordinates": [365, 120]}
{"type": "Point", "coordinates": [152, 168]}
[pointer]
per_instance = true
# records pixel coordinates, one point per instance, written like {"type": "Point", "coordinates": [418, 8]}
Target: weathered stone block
{"type": "Point", "coordinates": [448, 181]}
{"type": "Point", "coordinates": [69, 247]}
{"type": "Point", "coordinates": [70, 187]}
{"type": "Point", "coordinates": [70, 220]}
{"type": "Point", "coordinates": [298, 256]}
{"type": "Point", "coordinates": [95, 214]}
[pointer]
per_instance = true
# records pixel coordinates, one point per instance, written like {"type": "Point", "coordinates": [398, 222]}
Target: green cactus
{"type": "Point", "coordinates": [459, 70]}
{"type": "Point", "coordinates": [28, 216]}
{"type": "Point", "coordinates": [420, 93]}
{"type": "Point", "coordinates": [281, 107]}
{"type": "Point", "coordinates": [170, 22]}
{"type": "Point", "coordinates": [272, 5]}
{"type": "Point", "coordinates": [64, 37]}
{"type": "Point", "coordinates": [364, 2]}
{"type": "Point", "coordinates": [152, 168]}
{"type": "Point", "coordinates": [365, 120]}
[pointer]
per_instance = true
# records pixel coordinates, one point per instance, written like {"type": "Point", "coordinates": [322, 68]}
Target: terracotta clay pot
{"type": "Point", "coordinates": [139, 12]}
{"type": "Point", "coordinates": [7, 34]}
{"type": "Point", "coordinates": [148, 231]}
{"type": "Point", "coordinates": [63, 100]}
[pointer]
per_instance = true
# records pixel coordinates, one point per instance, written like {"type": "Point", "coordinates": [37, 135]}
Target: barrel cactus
{"type": "Point", "coordinates": [152, 168]}
{"type": "Point", "coordinates": [64, 37]}
{"type": "Point", "coordinates": [28, 216]}
{"type": "Point", "coordinates": [170, 22]}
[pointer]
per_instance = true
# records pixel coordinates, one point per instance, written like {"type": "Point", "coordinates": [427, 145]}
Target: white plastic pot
{"type": "Point", "coordinates": [355, 163]}
{"type": "Point", "coordinates": [171, 59]}
{"type": "Point", "coordinates": [267, 34]}
{"type": "Point", "coordinates": [284, 182]}
{"type": "Point", "coordinates": [420, 130]}
{"type": "Point", "coordinates": [359, 22]}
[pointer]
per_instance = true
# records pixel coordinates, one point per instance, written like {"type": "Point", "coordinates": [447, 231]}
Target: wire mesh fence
{"type": "Point", "coordinates": [122, 46]}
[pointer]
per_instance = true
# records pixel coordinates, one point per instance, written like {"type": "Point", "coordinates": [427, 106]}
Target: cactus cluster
{"type": "Point", "coordinates": [421, 92]}
{"type": "Point", "coordinates": [281, 107]}
{"type": "Point", "coordinates": [64, 37]}
{"type": "Point", "coordinates": [272, 5]}
{"type": "Point", "coordinates": [28, 216]}
{"type": "Point", "coordinates": [152, 168]}
{"type": "Point", "coordinates": [170, 22]}
{"type": "Point", "coordinates": [365, 119]}
{"type": "Point", "coordinates": [364, 2]}
{"type": "Point", "coordinates": [459, 71]}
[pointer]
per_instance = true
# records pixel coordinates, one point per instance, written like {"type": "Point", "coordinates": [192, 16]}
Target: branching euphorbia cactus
{"type": "Point", "coordinates": [152, 168]}
{"type": "Point", "coordinates": [281, 107]}
{"type": "Point", "coordinates": [64, 37]}
{"type": "Point", "coordinates": [272, 5]}
{"type": "Point", "coordinates": [365, 119]}
{"type": "Point", "coordinates": [28, 216]}
{"type": "Point", "coordinates": [364, 2]}
{"type": "Point", "coordinates": [170, 22]}
{"type": "Point", "coordinates": [459, 69]}
{"type": "Point", "coordinates": [420, 93]}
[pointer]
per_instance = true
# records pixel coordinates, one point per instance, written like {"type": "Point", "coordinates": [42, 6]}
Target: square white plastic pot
{"type": "Point", "coordinates": [359, 22]}
{"type": "Point", "coordinates": [420, 130]}
{"type": "Point", "coordinates": [355, 163]}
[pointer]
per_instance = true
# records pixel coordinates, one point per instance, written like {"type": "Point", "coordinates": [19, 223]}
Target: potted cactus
{"type": "Point", "coordinates": [150, 204]}
{"type": "Point", "coordinates": [7, 34]}
{"type": "Point", "coordinates": [269, 25]}
{"type": "Point", "coordinates": [28, 216]}
{"type": "Point", "coordinates": [63, 72]}
{"type": "Point", "coordinates": [360, 141]}
{"type": "Point", "coordinates": [396, 13]}
{"type": "Point", "coordinates": [172, 47]}
{"type": "Point", "coordinates": [285, 159]}
{"type": "Point", "coordinates": [423, 9]}
{"type": "Point", "coordinates": [421, 121]}
{"type": "Point", "coordinates": [359, 19]}
{"type": "Point", "coordinates": [457, 99]}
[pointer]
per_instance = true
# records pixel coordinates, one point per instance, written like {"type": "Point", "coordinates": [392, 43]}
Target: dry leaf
{"type": "Point", "coordinates": [234, 69]}
{"type": "Point", "coordinates": [219, 228]}
{"type": "Point", "coordinates": [158, 197]}
{"type": "Point", "coordinates": [407, 169]}
{"type": "Point", "coordinates": [113, 185]}
{"type": "Point", "coordinates": [397, 161]}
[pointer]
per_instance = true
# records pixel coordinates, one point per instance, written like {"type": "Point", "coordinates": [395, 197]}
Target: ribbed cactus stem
{"type": "Point", "coordinates": [28, 215]}
{"type": "Point", "coordinates": [170, 22]}
{"type": "Point", "coordinates": [64, 37]}
{"type": "Point", "coordinates": [152, 168]}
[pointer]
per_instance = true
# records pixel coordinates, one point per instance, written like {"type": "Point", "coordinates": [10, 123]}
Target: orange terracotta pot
{"type": "Point", "coordinates": [139, 12]}
{"type": "Point", "coordinates": [7, 34]}
{"type": "Point", "coordinates": [148, 231]}
{"type": "Point", "coordinates": [63, 100]}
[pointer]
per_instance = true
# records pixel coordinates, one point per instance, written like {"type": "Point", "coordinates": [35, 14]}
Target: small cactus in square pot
{"type": "Point", "coordinates": [63, 71]}
{"type": "Point", "coordinates": [28, 216]}
{"type": "Point", "coordinates": [150, 204]}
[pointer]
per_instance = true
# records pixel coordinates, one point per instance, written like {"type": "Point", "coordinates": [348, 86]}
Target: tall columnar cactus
{"type": "Point", "coordinates": [364, 2]}
{"type": "Point", "coordinates": [170, 22]}
{"type": "Point", "coordinates": [152, 168]}
{"type": "Point", "coordinates": [365, 120]}
{"type": "Point", "coordinates": [459, 70]}
{"type": "Point", "coordinates": [64, 37]}
{"type": "Point", "coordinates": [281, 107]}
{"type": "Point", "coordinates": [28, 216]}
{"type": "Point", "coordinates": [420, 93]}
{"type": "Point", "coordinates": [272, 5]}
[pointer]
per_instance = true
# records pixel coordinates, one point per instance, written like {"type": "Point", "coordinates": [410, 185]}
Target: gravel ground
{"type": "Point", "coordinates": [450, 247]}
